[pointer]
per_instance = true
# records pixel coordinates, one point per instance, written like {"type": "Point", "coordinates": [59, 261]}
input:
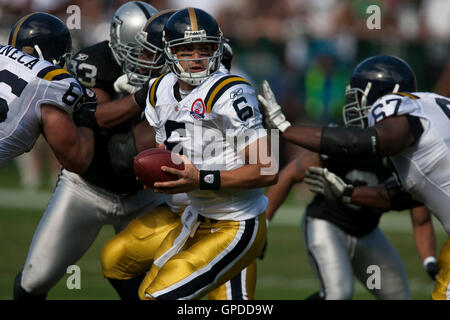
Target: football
{"type": "Point", "coordinates": [147, 166]}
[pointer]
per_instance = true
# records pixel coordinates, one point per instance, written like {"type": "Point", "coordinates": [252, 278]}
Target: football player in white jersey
{"type": "Point", "coordinates": [82, 203]}
{"type": "Point", "coordinates": [38, 96]}
{"type": "Point", "coordinates": [385, 115]}
{"type": "Point", "coordinates": [199, 110]}
{"type": "Point", "coordinates": [129, 255]}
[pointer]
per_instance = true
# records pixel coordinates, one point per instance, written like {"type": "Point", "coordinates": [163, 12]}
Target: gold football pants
{"type": "Point", "coordinates": [216, 253]}
{"type": "Point", "coordinates": [131, 253]}
{"type": "Point", "coordinates": [442, 286]}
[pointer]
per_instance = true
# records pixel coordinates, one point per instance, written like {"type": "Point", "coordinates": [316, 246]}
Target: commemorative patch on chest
{"type": "Point", "coordinates": [198, 109]}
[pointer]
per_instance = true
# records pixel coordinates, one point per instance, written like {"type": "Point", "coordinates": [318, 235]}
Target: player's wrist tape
{"type": "Point", "coordinates": [209, 180]}
{"type": "Point", "coordinates": [140, 96]}
{"type": "Point", "coordinates": [428, 260]}
{"type": "Point", "coordinates": [347, 194]}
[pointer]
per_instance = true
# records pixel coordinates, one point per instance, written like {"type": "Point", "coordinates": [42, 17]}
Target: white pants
{"type": "Point", "coordinates": [336, 256]}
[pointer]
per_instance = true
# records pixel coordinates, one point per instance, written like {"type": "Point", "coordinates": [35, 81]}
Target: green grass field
{"type": "Point", "coordinates": [284, 274]}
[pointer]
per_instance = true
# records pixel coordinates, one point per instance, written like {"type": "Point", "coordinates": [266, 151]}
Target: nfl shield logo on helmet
{"type": "Point", "coordinates": [198, 109]}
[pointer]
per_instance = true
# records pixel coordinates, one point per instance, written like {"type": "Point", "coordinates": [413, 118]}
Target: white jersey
{"type": "Point", "coordinates": [27, 82]}
{"type": "Point", "coordinates": [424, 167]}
{"type": "Point", "coordinates": [205, 125]}
{"type": "Point", "coordinates": [177, 202]}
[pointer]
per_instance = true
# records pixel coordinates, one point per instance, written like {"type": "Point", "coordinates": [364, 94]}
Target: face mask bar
{"type": "Point", "coordinates": [355, 111]}
{"type": "Point", "coordinates": [119, 49]}
{"type": "Point", "coordinates": [65, 60]}
{"type": "Point", "coordinates": [194, 78]}
{"type": "Point", "coordinates": [138, 69]}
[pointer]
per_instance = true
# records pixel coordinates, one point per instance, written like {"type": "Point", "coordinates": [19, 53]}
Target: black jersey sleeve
{"type": "Point", "coordinates": [95, 67]}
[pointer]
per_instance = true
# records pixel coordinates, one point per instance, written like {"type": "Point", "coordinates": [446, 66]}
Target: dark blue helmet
{"type": "Point", "coordinates": [187, 26]}
{"type": "Point", "coordinates": [146, 60]}
{"type": "Point", "coordinates": [43, 36]}
{"type": "Point", "coordinates": [371, 79]}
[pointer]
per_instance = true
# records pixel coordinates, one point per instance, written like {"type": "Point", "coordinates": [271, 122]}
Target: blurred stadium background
{"type": "Point", "coordinates": [306, 50]}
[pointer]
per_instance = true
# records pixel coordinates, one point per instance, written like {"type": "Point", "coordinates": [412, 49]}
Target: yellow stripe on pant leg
{"type": "Point", "coordinates": [211, 244]}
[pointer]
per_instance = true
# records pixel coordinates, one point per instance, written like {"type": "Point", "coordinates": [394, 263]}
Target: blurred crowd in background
{"type": "Point", "coordinates": [306, 49]}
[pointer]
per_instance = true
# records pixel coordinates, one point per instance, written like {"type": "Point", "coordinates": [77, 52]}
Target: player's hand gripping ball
{"type": "Point", "coordinates": [147, 166]}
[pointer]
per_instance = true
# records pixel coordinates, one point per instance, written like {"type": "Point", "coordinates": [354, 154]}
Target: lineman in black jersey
{"type": "Point", "coordinates": [82, 204]}
{"type": "Point", "coordinates": [344, 240]}
{"type": "Point", "coordinates": [96, 67]}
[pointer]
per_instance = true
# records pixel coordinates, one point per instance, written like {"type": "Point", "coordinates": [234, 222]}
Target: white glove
{"type": "Point", "coordinates": [328, 184]}
{"type": "Point", "coordinates": [274, 117]}
{"type": "Point", "coordinates": [121, 85]}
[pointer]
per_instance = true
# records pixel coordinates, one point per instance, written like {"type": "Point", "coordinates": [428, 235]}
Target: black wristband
{"type": "Point", "coordinates": [209, 180]}
{"type": "Point", "coordinates": [140, 96]}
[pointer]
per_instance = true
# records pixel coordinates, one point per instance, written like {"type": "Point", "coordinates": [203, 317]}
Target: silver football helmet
{"type": "Point", "coordinates": [127, 21]}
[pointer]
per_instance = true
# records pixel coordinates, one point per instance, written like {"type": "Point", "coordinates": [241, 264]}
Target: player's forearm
{"type": "Point", "coordinates": [374, 197]}
{"type": "Point", "coordinates": [112, 113]}
{"type": "Point", "coordinates": [246, 177]}
{"type": "Point", "coordinates": [78, 155]}
{"type": "Point", "coordinates": [423, 231]}
{"type": "Point", "coordinates": [278, 193]}
{"type": "Point", "coordinates": [307, 137]}
{"type": "Point", "coordinates": [425, 241]}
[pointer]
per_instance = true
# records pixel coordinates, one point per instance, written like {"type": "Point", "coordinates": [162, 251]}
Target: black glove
{"type": "Point", "coordinates": [122, 150]}
{"type": "Point", "coordinates": [84, 116]}
{"type": "Point", "coordinates": [430, 265]}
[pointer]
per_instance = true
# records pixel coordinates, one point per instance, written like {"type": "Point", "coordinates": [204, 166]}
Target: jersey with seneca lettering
{"type": "Point", "coordinates": [424, 167]}
{"type": "Point", "coordinates": [210, 126]}
{"type": "Point", "coordinates": [27, 82]}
